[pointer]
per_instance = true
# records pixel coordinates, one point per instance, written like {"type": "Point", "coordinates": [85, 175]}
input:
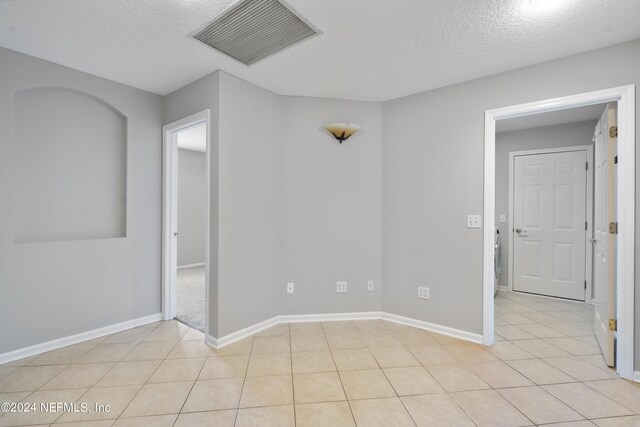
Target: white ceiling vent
{"type": "Point", "coordinates": [252, 30]}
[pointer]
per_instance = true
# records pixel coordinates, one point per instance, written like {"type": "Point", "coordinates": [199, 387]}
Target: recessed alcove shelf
{"type": "Point", "coordinates": [70, 169]}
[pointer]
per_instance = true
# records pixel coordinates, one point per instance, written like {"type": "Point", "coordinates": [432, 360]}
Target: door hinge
{"type": "Point", "coordinates": [585, 284]}
{"type": "Point", "coordinates": [613, 325]}
{"type": "Point", "coordinates": [613, 228]}
{"type": "Point", "coordinates": [587, 166]}
{"type": "Point", "coordinates": [615, 160]}
{"type": "Point", "coordinates": [586, 226]}
{"type": "Point", "coordinates": [613, 132]}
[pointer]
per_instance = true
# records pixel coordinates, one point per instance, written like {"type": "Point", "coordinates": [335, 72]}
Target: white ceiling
{"type": "Point", "coordinates": [572, 115]}
{"type": "Point", "coordinates": [194, 138]}
{"type": "Point", "coordinates": [369, 50]}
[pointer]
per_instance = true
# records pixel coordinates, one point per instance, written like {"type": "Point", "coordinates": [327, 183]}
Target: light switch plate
{"type": "Point", "coordinates": [474, 221]}
{"type": "Point", "coordinates": [503, 218]}
{"type": "Point", "coordinates": [370, 286]}
{"type": "Point", "coordinates": [290, 287]}
{"type": "Point", "coordinates": [423, 292]}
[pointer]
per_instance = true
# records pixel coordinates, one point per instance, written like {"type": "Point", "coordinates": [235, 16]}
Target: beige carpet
{"type": "Point", "coordinates": [190, 297]}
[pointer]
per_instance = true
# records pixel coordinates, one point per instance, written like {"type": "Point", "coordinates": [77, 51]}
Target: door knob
{"type": "Point", "coordinates": [175, 234]}
{"type": "Point", "coordinates": [594, 241]}
{"type": "Point", "coordinates": [519, 230]}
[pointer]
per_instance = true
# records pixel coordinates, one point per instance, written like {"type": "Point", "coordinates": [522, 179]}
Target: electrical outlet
{"type": "Point", "coordinates": [341, 287]}
{"type": "Point", "coordinates": [474, 221]}
{"type": "Point", "coordinates": [370, 286]}
{"type": "Point", "coordinates": [423, 293]}
{"type": "Point", "coordinates": [291, 288]}
{"type": "Point", "coordinates": [503, 218]}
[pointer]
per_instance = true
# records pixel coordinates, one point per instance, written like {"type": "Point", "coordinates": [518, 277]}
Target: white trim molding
{"type": "Point", "coordinates": [169, 212]}
{"type": "Point", "coordinates": [329, 317]}
{"type": "Point", "coordinates": [636, 376]}
{"type": "Point", "coordinates": [77, 338]}
{"type": "Point", "coordinates": [625, 199]}
{"type": "Point", "coordinates": [184, 267]}
{"type": "Point", "coordinates": [432, 327]}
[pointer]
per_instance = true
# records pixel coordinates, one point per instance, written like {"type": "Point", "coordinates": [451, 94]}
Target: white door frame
{"type": "Point", "coordinates": [169, 207]}
{"type": "Point", "coordinates": [625, 199]}
{"type": "Point", "coordinates": [588, 149]}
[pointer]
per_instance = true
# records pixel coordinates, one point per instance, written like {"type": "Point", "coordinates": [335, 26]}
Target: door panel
{"type": "Point", "coordinates": [603, 241]}
{"type": "Point", "coordinates": [549, 217]}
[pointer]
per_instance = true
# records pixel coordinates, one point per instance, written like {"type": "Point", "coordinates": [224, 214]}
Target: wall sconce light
{"type": "Point", "coordinates": [342, 131]}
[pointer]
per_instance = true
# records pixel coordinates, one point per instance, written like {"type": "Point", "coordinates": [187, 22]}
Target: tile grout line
{"type": "Point", "coordinates": [192, 385]}
{"type": "Point", "coordinates": [339, 376]}
{"type": "Point", "coordinates": [442, 387]}
{"type": "Point", "coordinates": [244, 380]}
{"type": "Point", "coordinates": [94, 386]}
{"type": "Point", "coordinates": [450, 394]}
{"type": "Point", "coordinates": [389, 381]}
{"type": "Point", "coordinates": [541, 386]}
{"type": "Point", "coordinates": [293, 389]}
{"type": "Point", "coordinates": [152, 374]}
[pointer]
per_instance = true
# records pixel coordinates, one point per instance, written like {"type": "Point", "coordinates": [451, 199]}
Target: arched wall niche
{"type": "Point", "coordinates": [70, 167]}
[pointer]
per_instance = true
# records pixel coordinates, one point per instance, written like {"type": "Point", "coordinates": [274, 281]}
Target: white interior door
{"type": "Point", "coordinates": [549, 224]}
{"type": "Point", "coordinates": [603, 241]}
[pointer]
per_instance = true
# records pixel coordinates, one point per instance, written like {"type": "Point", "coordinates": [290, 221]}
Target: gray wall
{"type": "Point", "coordinates": [249, 133]}
{"type": "Point", "coordinates": [293, 204]}
{"type": "Point", "coordinates": [191, 206]}
{"type": "Point", "coordinates": [201, 95]}
{"type": "Point", "coordinates": [330, 221]}
{"type": "Point", "coordinates": [67, 144]}
{"type": "Point", "coordinates": [566, 135]}
{"type": "Point", "coordinates": [432, 176]}
{"type": "Point", "coordinates": [60, 288]}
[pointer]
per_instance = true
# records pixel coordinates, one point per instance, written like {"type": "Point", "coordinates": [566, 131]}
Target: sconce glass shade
{"type": "Point", "coordinates": [342, 131]}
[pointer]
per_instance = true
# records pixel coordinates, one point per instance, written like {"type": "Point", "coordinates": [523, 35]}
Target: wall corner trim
{"type": "Point", "coordinates": [77, 338]}
{"type": "Point", "coordinates": [636, 376]}
{"type": "Point", "coordinates": [329, 317]}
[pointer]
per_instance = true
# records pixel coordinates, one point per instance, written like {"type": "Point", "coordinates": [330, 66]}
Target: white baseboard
{"type": "Point", "coordinates": [77, 338]}
{"type": "Point", "coordinates": [184, 267]}
{"type": "Point", "coordinates": [503, 289]}
{"type": "Point", "coordinates": [242, 333]}
{"type": "Point", "coordinates": [636, 376]}
{"type": "Point", "coordinates": [327, 317]}
{"type": "Point", "coordinates": [432, 327]}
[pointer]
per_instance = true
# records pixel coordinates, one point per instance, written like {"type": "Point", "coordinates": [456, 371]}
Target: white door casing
{"type": "Point", "coordinates": [625, 97]}
{"type": "Point", "coordinates": [549, 224]}
{"type": "Point", "coordinates": [170, 212]}
{"type": "Point", "coordinates": [172, 161]}
{"type": "Point", "coordinates": [603, 241]}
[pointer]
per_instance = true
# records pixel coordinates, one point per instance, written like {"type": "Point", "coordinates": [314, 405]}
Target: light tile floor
{"type": "Point", "coordinates": [545, 369]}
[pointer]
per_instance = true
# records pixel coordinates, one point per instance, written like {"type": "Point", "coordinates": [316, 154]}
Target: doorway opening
{"type": "Point", "coordinates": [564, 273]}
{"type": "Point", "coordinates": [186, 215]}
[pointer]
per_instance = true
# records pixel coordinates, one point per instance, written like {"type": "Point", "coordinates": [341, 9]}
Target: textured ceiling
{"type": "Point", "coordinates": [369, 50]}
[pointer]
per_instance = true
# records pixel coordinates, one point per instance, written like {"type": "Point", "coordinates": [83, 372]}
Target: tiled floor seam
{"type": "Point", "coordinates": [339, 376]}
{"type": "Point", "coordinates": [244, 379]}
{"type": "Point", "coordinates": [154, 371]}
{"type": "Point", "coordinates": [94, 386]}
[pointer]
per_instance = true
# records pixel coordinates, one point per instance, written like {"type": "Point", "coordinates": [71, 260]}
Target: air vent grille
{"type": "Point", "coordinates": [252, 30]}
